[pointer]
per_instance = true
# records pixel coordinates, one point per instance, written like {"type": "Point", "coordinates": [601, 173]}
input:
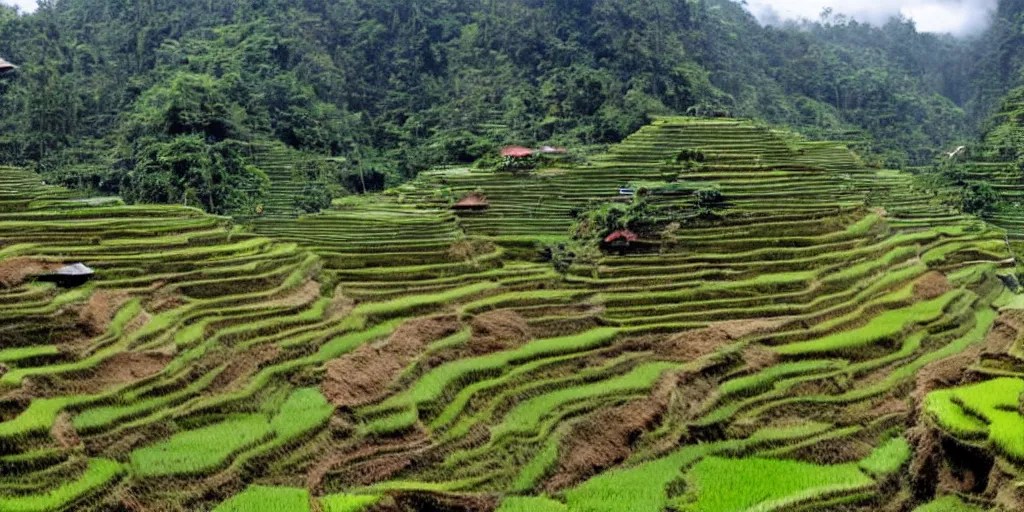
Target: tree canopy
{"type": "Point", "coordinates": [108, 86]}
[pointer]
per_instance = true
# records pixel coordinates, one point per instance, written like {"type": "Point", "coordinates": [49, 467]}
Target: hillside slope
{"type": "Point", "coordinates": [395, 354]}
{"type": "Point", "coordinates": [138, 99]}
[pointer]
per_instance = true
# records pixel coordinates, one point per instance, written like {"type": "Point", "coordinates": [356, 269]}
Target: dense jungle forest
{"type": "Point", "coordinates": [159, 100]}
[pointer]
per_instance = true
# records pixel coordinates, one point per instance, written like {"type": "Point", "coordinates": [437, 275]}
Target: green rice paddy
{"type": "Point", "coordinates": [831, 327]}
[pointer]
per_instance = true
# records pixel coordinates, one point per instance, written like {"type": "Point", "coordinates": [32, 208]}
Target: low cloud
{"type": "Point", "coordinates": [24, 5]}
{"type": "Point", "coordinates": [958, 17]}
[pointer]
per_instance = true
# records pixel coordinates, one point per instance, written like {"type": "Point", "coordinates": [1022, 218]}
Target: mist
{"type": "Point", "coordinates": [957, 17]}
{"type": "Point", "coordinates": [24, 5]}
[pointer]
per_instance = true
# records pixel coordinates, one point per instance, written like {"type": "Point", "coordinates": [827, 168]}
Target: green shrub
{"type": "Point", "coordinates": [314, 198]}
{"type": "Point", "coordinates": [980, 198]}
{"type": "Point", "coordinates": [707, 199]}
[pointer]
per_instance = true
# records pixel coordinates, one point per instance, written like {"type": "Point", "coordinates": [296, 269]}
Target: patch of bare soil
{"type": "Point", "coordinates": [138, 322]}
{"type": "Point", "coordinates": [499, 330]}
{"type": "Point", "coordinates": [888, 407]}
{"type": "Point", "coordinates": [15, 271]}
{"type": "Point", "coordinates": [928, 459]}
{"type": "Point", "coordinates": [945, 373]}
{"type": "Point", "coordinates": [365, 451]}
{"type": "Point", "coordinates": [693, 392]}
{"type": "Point", "coordinates": [362, 376]}
{"type": "Point", "coordinates": [379, 469]}
{"type": "Point", "coordinates": [1007, 330]}
{"type": "Point", "coordinates": [738, 329]}
{"type": "Point", "coordinates": [966, 470]}
{"type": "Point", "coordinates": [298, 297]}
{"type": "Point", "coordinates": [758, 358]}
{"type": "Point", "coordinates": [164, 302]}
{"type": "Point", "coordinates": [95, 316]}
{"type": "Point", "coordinates": [1001, 490]}
{"type": "Point", "coordinates": [466, 250]}
{"type": "Point", "coordinates": [606, 438]}
{"type": "Point", "coordinates": [931, 286]}
{"type": "Point", "coordinates": [944, 466]}
{"type": "Point", "coordinates": [121, 443]}
{"type": "Point", "coordinates": [340, 306]}
{"type": "Point", "coordinates": [126, 500]}
{"type": "Point", "coordinates": [64, 432]}
{"type": "Point", "coordinates": [128, 367]}
{"type": "Point", "coordinates": [832, 451]}
{"type": "Point", "coordinates": [690, 395]}
{"type": "Point", "coordinates": [116, 370]}
{"type": "Point", "coordinates": [419, 501]}
{"type": "Point", "coordinates": [692, 345]}
{"type": "Point", "coordinates": [242, 365]}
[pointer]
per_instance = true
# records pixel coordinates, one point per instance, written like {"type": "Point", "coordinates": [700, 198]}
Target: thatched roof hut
{"type": "Point", "coordinates": [516, 152]}
{"type": "Point", "coordinates": [622, 240]}
{"type": "Point", "coordinates": [474, 201]}
{"type": "Point", "coordinates": [71, 275]}
{"type": "Point", "coordinates": [623, 236]}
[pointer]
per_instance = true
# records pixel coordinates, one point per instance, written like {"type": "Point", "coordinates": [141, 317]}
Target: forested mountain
{"type": "Point", "coordinates": [156, 100]}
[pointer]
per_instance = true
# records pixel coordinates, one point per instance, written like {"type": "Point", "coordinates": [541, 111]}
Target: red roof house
{"type": "Point", "coordinates": [517, 152]}
{"type": "Point", "coordinates": [621, 236]}
{"type": "Point", "coordinates": [474, 201]}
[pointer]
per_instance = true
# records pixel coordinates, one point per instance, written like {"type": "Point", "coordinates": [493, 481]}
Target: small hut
{"type": "Point", "coordinates": [516, 152]}
{"type": "Point", "coordinates": [620, 240]}
{"type": "Point", "coordinates": [473, 202]}
{"type": "Point", "coordinates": [71, 276]}
{"type": "Point", "coordinates": [518, 158]}
{"type": "Point", "coordinates": [6, 66]}
{"type": "Point", "coordinates": [552, 150]}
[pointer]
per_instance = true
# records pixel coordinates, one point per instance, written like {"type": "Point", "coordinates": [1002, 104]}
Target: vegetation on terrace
{"type": "Point", "coordinates": [207, 105]}
{"type": "Point", "coordinates": [391, 353]}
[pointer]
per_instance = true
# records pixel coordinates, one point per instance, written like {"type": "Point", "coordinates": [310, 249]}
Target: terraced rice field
{"type": "Point", "coordinates": [801, 352]}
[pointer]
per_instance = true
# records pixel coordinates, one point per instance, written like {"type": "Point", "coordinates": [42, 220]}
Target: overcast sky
{"type": "Point", "coordinates": [26, 5]}
{"type": "Point", "coordinates": [960, 17]}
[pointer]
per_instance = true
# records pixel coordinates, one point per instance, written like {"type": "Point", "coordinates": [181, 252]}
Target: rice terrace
{"type": "Point", "coordinates": [518, 256]}
{"type": "Point", "coordinates": [799, 352]}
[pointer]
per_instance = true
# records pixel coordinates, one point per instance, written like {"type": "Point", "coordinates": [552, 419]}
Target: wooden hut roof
{"type": "Point", "coordinates": [78, 269]}
{"type": "Point", "coordinates": [623, 235]}
{"type": "Point", "coordinates": [517, 152]}
{"type": "Point", "coordinates": [474, 200]}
